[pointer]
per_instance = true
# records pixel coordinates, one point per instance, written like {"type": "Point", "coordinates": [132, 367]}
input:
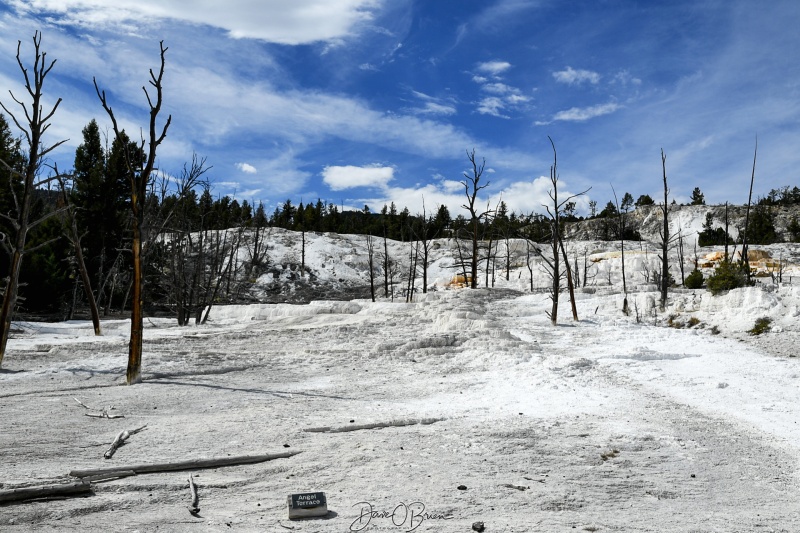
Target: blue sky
{"type": "Point", "coordinates": [371, 101]}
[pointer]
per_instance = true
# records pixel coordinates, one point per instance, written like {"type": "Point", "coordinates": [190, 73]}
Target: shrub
{"type": "Point", "coordinates": [694, 280]}
{"type": "Point", "coordinates": [762, 325]}
{"type": "Point", "coordinates": [726, 276]}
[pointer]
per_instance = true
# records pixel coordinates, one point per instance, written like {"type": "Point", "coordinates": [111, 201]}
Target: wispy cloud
{"type": "Point", "coordinates": [571, 76]}
{"type": "Point", "coordinates": [339, 178]}
{"type": "Point", "coordinates": [279, 21]}
{"type": "Point", "coordinates": [432, 106]}
{"type": "Point", "coordinates": [624, 78]}
{"type": "Point", "coordinates": [579, 114]}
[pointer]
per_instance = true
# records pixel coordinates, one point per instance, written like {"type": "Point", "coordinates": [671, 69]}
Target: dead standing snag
{"type": "Point", "coordinates": [139, 179]}
{"type": "Point", "coordinates": [33, 128]}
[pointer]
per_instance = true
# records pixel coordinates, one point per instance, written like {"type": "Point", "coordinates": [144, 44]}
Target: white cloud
{"type": "Point", "coordinates": [495, 68]}
{"type": "Point", "coordinates": [280, 21]}
{"type": "Point", "coordinates": [526, 197]}
{"type": "Point", "coordinates": [247, 168]}
{"type": "Point", "coordinates": [573, 77]}
{"type": "Point", "coordinates": [579, 114]}
{"type": "Point", "coordinates": [492, 106]}
{"type": "Point", "coordinates": [522, 197]}
{"type": "Point", "coordinates": [346, 177]}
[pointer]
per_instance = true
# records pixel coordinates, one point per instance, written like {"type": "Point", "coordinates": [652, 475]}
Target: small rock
{"type": "Point", "coordinates": [478, 526]}
{"type": "Point", "coordinates": [462, 487]}
{"type": "Point", "coordinates": [286, 446]}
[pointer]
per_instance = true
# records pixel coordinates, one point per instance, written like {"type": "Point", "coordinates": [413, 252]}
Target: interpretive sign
{"type": "Point", "coordinates": [307, 505]}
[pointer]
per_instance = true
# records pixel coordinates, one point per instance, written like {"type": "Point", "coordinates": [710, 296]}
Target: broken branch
{"type": "Point", "coordinates": [194, 509]}
{"type": "Point", "coordinates": [120, 440]}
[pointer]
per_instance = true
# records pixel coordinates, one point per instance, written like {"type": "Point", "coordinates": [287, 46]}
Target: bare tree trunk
{"type": "Point", "coordinates": [556, 242]}
{"type": "Point", "coordinates": [303, 252]}
{"type": "Point", "coordinates": [622, 251]}
{"type": "Point", "coordinates": [471, 190]}
{"type": "Point", "coordinates": [570, 285]}
{"type": "Point", "coordinates": [664, 237]}
{"type": "Point", "coordinates": [385, 264]}
{"type": "Point", "coordinates": [140, 179]}
{"type": "Point", "coordinates": [745, 258]}
{"type": "Point", "coordinates": [133, 374]}
{"type": "Point", "coordinates": [726, 231]}
{"type": "Point", "coordinates": [75, 240]}
{"type": "Point", "coordinates": [371, 263]}
{"type": "Point", "coordinates": [528, 261]}
{"type": "Point", "coordinates": [681, 258]}
{"type": "Point", "coordinates": [37, 124]}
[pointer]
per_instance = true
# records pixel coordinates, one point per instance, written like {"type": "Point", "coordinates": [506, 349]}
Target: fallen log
{"type": "Point", "coordinates": [108, 476]}
{"type": "Point", "coordinates": [376, 425]}
{"type": "Point", "coordinates": [45, 491]}
{"type": "Point", "coordinates": [120, 440]}
{"type": "Point", "coordinates": [183, 465]}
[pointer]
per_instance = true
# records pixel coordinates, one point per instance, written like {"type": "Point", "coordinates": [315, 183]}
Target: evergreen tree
{"type": "Point", "coordinates": [711, 236]}
{"type": "Point", "coordinates": [610, 210]}
{"type": "Point", "coordinates": [643, 200]}
{"type": "Point", "coordinates": [11, 154]}
{"type": "Point", "coordinates": [697, 197]}
{"type": "Point", "coordinates": [762, 226]}
{"type": "Point", "coordinates": [442, 220]}
{"type": "Point", "coordinates": [627, 202]}
{"type": "Point", "coordinates": [99, 193]}
{"type": "Point", "coordinates": [794, 230]}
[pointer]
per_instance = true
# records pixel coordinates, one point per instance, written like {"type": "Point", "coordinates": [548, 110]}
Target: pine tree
{"type": "Point", "coordinates": [697, 197]}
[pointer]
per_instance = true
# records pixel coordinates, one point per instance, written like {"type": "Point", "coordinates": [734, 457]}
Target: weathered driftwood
{"type": "Point", "coordinates": [120, 440]}
{"type": "Point", "coordinates": [194, 508]}
{"type": "Point", "coordinates": [102, 414]}
{"type": "Point", "coordinates": [44, 491]}
{"type": "Point", "coordinates": [183, 465]}
{"type": "Point", "coordinates": [376, 425]}
{"type": "Point", "coordinates": [109, 475]}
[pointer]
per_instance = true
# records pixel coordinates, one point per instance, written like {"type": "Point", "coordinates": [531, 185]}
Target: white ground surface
{"type": "Point", "coordinates": [604, 424]}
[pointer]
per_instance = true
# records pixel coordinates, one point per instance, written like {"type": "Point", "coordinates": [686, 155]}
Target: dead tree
{"type": "Point", "coordinates": [471, 190]}
{"type": "Point", "coordinates": [35, 124]}
{"type": "Point", "coordinates": [74, 237]}
{"type": "Point", "coordinates": [371, 264]}
{"type": "Point", "coordinates": [745, 259]}
{"type": "Point", "coordinates": [140, 179]}
{"type": "Point", "coordinates": [681, 258]}
{"type": "Point", "coordinates": [557, 244]}
{"type": "Point", "coordinates": [491, 217]}
{"type": "Point", "coordinates": [664, 233]}
{"type": "Point", "coordinates": [424, 237]}
{"type": "Point", "coordinates": [387, 262]}
{"type": "Point", "coordinates": [621, 212]}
